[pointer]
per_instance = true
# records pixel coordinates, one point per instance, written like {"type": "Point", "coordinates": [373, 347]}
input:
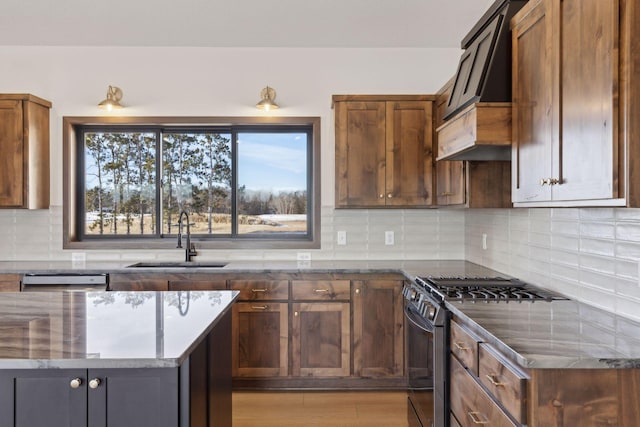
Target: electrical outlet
{"type": "Point", "coordinates": [342, 237]}
{"type": "Point", "coordinates": [304, 256]}
{"type": "Point", "coordinates": [484, 241]}
{"type": "Point", "coordinates": [389, 238]}
{"type": "Point", "coordinates": [78, 259]}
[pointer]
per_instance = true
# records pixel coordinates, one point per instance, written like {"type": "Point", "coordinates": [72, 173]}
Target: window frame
{"type": "Point", "coordinates": [73, 192]}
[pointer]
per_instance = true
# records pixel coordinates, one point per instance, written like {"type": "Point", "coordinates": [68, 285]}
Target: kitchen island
{"type": "Point", "coordinates": [116, 359]}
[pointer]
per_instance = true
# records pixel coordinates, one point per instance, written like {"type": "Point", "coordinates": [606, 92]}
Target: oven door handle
{"type": "Point", "coordinates": [418, 320]}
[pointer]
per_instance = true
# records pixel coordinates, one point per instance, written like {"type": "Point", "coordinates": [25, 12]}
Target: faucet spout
{"type": "Point", "coordinates": [190, 250]}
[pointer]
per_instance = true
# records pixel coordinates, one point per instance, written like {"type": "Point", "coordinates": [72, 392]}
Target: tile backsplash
{"type": "Point", "coordinates": [588, 254]}
{"type": "Point", "coordinates": [418, 234]}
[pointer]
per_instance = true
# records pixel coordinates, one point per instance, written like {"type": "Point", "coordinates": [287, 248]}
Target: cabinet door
{"type": "Point", "coordinates": [320, 339]}
{"type": "Point", "coordinates": [575, 397]}
{"type": "Point", "coordinates": [533, 111]}
{"type": "Point", "coordinates": [12, 159]}
{"type": "Point", "coordinates": [24, 143]}
{"type": "Point", "coordinates": [360, 154]}
{"type": "Point", "coordinates": [409, 157]}
{"type": "Point", "coordinates": [133, 397]}
{"type": "Point", "coordinates": [43, 398]}
{"type": "Point", "coordinates": [260, 339]}
{"type": "Point", "coordinates": [587, 163]}
{"type": "Point", "coordinates": [378, 332]}
{"type": "Point", "coordinates": [450, 181]}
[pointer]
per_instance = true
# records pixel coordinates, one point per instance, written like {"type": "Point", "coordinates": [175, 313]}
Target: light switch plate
{"type": "Point", "coordinates": [342, 237]}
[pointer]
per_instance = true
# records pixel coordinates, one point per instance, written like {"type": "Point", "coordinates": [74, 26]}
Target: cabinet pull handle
{"type": "Point", "coordinates": [549, 181]}
{"type": "Point", "coordinates": [492, 379]}
{"type": "Point", "coordinates": [475, 417]}
{"type": "Point", "coordinates": [95, 383]}
{"type": "Point", "coordinates": [258, 291]}
{"type": "Point", "coordinates": [295, 313]}
{"type": "Point", "coordinates": [259, 307]}
{"type": "Point", "coordinates": [446, 193]}
{"type": "Point", "coordinates": [75, 383]}
{"type": "Point", "coordinates": [321, 291]}
{"type": "Point", "coordinates": [460, 346]}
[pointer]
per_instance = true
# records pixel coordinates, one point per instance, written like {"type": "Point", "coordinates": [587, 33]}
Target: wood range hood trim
{"type": "Point", "coordinates": [480, 132]}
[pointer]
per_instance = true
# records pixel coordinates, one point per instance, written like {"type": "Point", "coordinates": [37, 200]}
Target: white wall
{"type": "Point", "coordinates": [227, 82]}
{"type": "Point", "coordinates": [588, 254]}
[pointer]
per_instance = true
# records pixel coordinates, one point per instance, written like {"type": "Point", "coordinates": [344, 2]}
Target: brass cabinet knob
{"type": "Point", "coordinates": [94, 383]}
{"type": "Point", "coordinates": [75, 383]}
{"type": "Point", "coordinates": [381, 196]}
{"type": "Point", "coordinates": [389, 195]}
{"type": "Point", "coordinates": [357, 291]}
{"type": "Point", "coordinates": [295, 313]}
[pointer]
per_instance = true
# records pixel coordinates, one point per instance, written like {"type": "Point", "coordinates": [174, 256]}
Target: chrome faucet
{"type": "Point", "coordinates": [190, 250]}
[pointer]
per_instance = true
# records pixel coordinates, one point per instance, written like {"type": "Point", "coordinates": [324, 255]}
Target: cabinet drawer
{"type": "Point", "coordinates": [507, 384]}
{"type": "Point", "coordinates": [322, 290]}
{"type": "Point", "coordinates": [261, 289]}
{"type": "Point", "coordinates": [470, 404]}
{"type": "Point", "coordinates": [464, 345]}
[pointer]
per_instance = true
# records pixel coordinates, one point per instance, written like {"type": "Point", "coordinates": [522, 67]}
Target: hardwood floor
{"type": "Point", "coordinates": [319, 408]}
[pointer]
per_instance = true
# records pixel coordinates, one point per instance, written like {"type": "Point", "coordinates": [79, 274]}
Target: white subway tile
{"type": "Point", "coordinates": [597, 246]}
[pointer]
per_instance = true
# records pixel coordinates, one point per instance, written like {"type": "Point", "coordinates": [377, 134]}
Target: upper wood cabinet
{"type": "Point", "coordinates": [384, 151]}
{"type": "Point", "coordinates": [24, 143]}
{"type": "Point", "coordinates": [575, 103]}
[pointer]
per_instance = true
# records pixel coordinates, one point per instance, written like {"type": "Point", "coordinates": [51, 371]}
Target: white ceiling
{"type": "Point", "coordinates": [239, 23]}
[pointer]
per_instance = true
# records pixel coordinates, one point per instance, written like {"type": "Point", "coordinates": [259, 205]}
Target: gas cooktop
{"type": "Point", "coordinates": [484, 289]}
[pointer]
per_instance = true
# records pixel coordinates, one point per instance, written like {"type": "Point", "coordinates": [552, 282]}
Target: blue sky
{"type": "Point", "coordinates": [272, 162]}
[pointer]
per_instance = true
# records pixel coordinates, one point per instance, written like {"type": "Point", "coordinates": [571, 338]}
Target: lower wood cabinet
{"type": "Point", "coordinates": [260, 339]}
{"type": "Point", "coordinates": [321, 339]}
{"type": "Point", "coordinates": [316, 330]}
{"type": "Point", "coordinates": [139, 282]}
{"type": "Point", "coordinates": [94, 397]}
{"type": "Point", "coordinates": [10, 282]}
{"type": "Point", "coordinates": [490, 389]}
{"type": "Point", "coordinates": [378, 328]}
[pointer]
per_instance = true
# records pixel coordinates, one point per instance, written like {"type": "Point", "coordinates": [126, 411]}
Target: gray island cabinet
{"type": "Point", "coordinates": [116, 359]}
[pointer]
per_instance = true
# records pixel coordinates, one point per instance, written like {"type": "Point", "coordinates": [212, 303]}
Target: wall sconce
{"type": "Point", "coordinates": [114, 95]}
{"type": "Point", "coordinates": [267, 102]}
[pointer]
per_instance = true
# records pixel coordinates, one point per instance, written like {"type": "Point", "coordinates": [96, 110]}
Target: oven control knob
{"type": "Point", "coordinates": [431, 313]}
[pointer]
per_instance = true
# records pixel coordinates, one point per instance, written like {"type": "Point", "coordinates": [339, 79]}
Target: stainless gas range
{"type": "Point", "coordinates": [428, 335]}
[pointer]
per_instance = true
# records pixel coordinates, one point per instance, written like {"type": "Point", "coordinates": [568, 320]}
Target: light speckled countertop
{"type": "Point", "coordinates": [409, 268]}
{"type": "Point", "coordinates": [559, 334]}
{"type": "Point", "coordinates": [106, 329]}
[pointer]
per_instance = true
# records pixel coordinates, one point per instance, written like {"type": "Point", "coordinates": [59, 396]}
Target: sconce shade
{"type": "Point", "coordinates": [114, 95]}
{"type": "Point", "coordinates": [267, 102]}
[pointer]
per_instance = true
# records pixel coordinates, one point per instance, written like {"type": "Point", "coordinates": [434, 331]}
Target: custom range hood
{"type": "Point", "coordinates": [484, 70]}
{"type": "Point", "coordinates": [477, 116]}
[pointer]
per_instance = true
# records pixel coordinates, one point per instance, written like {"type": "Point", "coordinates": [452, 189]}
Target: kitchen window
{"type": "Point", "coordinates": [245, 182]}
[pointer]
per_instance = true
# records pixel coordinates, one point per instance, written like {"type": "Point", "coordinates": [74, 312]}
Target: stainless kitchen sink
{"type": "Point", "coordinates": [172, 264]}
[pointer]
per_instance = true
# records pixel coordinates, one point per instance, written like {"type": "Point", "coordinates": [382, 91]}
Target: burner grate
{"type": "Point", "coordinates": [484, 289]}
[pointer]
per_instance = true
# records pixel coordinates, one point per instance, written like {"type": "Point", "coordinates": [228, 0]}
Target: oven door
{"type": "Point", "coordinates": [419, 367]}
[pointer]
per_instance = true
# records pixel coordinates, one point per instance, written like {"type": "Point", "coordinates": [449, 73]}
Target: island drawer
{"type": "Point", "coordinates": [322, 290]}
{"type": "Point", "coordinates": [464, 345]}
{"type": "Point", "coordinates": [470, 404]}
{"type": "Point", "coordinates": [261, 289]}
{"type": "Point", "coordinates": [507, 384]}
